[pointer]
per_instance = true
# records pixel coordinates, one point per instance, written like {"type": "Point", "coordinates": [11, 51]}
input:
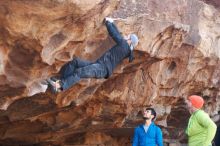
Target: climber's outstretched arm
{"type": "Point", "coordinates": [113, 31]}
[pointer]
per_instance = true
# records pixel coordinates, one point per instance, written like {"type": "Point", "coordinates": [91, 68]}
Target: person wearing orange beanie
{"type": "Point", "coordinates": [201, 129]}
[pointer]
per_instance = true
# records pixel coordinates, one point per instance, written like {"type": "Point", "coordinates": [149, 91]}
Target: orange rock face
{"type": "Point", "coordinates": [178, 55]}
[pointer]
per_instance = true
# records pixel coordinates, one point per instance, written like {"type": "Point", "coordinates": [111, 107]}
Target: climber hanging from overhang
{"type": "Point", "coordinates": [73, 71]}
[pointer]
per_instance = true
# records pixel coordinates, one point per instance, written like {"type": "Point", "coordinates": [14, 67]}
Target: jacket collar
{"type": "Point", "coordinates": [152, 123]}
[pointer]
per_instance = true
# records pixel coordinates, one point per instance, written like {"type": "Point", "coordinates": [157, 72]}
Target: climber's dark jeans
{"type": "Point", "coordinates": [76, 69]}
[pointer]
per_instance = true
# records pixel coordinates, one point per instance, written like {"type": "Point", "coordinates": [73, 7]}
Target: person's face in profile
{"type": "Point", "coordinates": [147, 115]}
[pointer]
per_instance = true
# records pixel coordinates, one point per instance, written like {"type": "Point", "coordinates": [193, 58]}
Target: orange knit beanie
{"type": "Point", "coordinates": [197, 101]}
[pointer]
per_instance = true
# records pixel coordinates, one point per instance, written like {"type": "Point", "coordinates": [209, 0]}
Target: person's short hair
{"type": "Point", "coordinates": [134, 41]}
{"type": "Point", "coordinates": [153, 112]}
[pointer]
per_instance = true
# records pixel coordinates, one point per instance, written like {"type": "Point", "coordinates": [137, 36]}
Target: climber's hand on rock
{"type": "Point", "coordinates": [109, 19]}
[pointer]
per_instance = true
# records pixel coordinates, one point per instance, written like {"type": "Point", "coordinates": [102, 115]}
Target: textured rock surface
{"type": "Point", "coordinates": [178, 55]}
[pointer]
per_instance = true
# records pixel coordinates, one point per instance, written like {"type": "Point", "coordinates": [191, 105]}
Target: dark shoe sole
{"type": "Point", "coordinates": [55, 78]}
